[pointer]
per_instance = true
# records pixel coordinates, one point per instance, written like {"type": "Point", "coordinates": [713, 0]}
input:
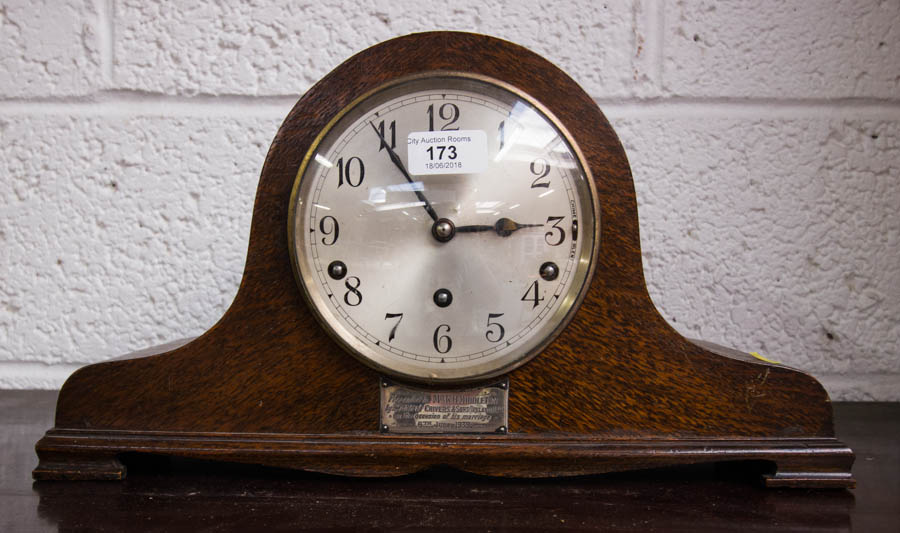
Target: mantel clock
{"type": "Point", "coordinates": [444, 269]}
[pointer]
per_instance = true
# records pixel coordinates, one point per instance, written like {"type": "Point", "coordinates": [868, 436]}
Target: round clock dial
{"type": "Point", "coordinates": [443, 228]}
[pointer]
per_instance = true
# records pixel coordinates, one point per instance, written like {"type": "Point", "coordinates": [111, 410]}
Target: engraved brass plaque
{"type": "Point", "coordinates": [407, 409]}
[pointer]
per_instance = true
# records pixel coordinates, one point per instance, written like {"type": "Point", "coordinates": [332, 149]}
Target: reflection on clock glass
{"type": "Point", "coordinates": [435, 229]}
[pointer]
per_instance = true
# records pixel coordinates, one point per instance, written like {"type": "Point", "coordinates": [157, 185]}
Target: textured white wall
{"type": "Point", "coordinates": [764, 138]}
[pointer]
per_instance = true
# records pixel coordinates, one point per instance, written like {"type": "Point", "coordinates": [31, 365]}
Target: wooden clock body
{"type": "Point", "coordinates": [618, 389]}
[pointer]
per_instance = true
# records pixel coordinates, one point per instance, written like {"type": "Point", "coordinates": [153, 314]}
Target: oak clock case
{"type": "Point", "coordinates": [595, 381]}
{"type": "Point", "coordinates": [456, 255]}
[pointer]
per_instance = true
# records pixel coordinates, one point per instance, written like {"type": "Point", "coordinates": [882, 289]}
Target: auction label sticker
{"type": "Point", "coordinates": [447, 152]}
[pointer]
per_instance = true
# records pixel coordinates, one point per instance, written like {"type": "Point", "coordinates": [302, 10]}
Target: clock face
{"type": "Point", "coordinates": [443, 228]}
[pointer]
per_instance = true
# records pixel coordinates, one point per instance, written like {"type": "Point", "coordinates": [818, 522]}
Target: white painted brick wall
{"type": "Point", "coordinates": [49, 49]}
{"type": "Point", "coordinates": [764, 138]}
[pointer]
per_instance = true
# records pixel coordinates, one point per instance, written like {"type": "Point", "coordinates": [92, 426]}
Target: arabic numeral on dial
{"type": "Point", "coordinates": [352, 174]}
{"type": "Point", "coordinates": [392, 128]}
{"type": "Point", "coordinates": [540, 168]}
{"type": "Point", "coordinates": [399, 317]}
{"type": "Point", "coordinates": [533, 294]}
{"type": "Point", "coordinates": [555, 230]}
{"type": "Point", "coordinates": [448, 112]}
{"type": "Point", "coordinates": [494, 335]}
{"type": "Point", "coordinates": [352, 297]}
{"type": "Point", "coordinates": [442, 343]}
{"type": "Point", "coordinates": [331, 229]}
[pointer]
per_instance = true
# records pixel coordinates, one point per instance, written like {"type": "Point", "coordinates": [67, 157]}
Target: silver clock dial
{"type": "Point", "coordinates": [443, 228]}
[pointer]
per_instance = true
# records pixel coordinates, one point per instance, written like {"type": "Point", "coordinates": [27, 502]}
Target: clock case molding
{"type": "Point", "coordinates": [619, 389]}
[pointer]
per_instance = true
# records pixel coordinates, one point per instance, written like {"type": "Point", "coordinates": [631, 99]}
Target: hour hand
{"type": "Point", "coordinates": [503, 227]}
{"type": "Point", "coordinates": [399, 164]}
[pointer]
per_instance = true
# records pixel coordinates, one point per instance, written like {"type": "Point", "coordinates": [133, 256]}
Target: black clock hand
{"type": "Point", "coordinates": [503, 227]}
{"type": "Point", "coordinates": [399, 164]}
{"type": "Point", "coordinates": [473, 229]}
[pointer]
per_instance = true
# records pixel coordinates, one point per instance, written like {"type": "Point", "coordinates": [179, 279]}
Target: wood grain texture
{"type": "Point", "coordinates": [618, 373]}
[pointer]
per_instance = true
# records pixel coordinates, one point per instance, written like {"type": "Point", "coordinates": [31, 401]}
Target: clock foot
{"type": "Point", "coordinates": [74, 465]}
{"type": "Point", "coordinates": [811, 473]}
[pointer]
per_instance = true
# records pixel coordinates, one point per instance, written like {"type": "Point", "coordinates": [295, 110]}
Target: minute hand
{"type": "Point", "coordinates": [503, 227]}
{"type": "Point", "coordinates": [399, 164]}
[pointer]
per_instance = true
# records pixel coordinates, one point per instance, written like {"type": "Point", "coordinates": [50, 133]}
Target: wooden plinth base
{"type": "Point", "coordinates": [80, 454]}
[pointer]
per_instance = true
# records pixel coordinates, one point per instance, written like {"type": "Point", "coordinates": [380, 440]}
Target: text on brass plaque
{"type": "Point", "coordinates": [407, 409]}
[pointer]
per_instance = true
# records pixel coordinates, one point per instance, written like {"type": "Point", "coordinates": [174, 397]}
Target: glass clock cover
{"type": "Point", "coordinates": [443, 228]}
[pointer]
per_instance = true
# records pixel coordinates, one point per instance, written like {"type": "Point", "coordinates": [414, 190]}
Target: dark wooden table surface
{"type": "Point", "coordinates": [172, 495]}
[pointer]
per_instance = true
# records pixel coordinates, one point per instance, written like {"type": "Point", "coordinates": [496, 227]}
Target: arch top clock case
{"type": "Point", "coordinates": [444, 269]}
